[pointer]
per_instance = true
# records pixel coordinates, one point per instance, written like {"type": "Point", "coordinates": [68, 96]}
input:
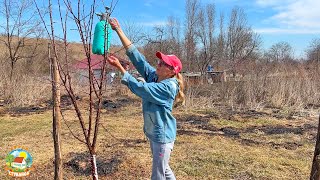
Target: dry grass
{"type": "Point", "coordinates": [210, 145]}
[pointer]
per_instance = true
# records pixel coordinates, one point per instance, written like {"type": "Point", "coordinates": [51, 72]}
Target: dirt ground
{"type": "Point", "coordinates": [214, 143]}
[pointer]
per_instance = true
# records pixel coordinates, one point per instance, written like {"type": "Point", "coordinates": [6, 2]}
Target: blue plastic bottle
{"type": "Point", "coordinates": [101, 36]}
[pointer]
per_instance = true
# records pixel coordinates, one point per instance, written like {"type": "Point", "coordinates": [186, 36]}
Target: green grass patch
{"type": "Point", "coordinates": [244, 123]}
{"type": "Point", "coordinates": [10, 126]}
{"type": "Point", "coordinates": [206, 154]}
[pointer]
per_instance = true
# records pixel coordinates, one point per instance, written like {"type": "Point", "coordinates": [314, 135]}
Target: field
{"type": "Point", "coordinates": [213, 143]}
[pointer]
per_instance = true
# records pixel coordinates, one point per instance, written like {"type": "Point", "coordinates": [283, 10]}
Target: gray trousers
{"type": "Point", "coordinates": [160, 161]}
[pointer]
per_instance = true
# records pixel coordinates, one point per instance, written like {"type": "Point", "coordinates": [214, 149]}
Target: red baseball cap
{"type": "Point", "coordinates": [171, 60]}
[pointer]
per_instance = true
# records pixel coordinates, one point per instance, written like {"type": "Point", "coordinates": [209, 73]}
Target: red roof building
{"type": "Point", "coordinates": [97, 62]}
{"type": "Point", "coordinates": [18, 159]}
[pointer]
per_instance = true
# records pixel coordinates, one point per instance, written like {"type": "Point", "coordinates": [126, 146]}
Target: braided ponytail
{"type": "Point", "coordinates": [180, 98]}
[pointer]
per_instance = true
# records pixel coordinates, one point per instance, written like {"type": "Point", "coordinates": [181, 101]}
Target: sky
{"type": "Point", "coordinates": [294, 21]}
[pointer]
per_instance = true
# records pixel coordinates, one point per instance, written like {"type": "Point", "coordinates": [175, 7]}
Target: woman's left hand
{"type": "Point", "coordinates": [114, 23]}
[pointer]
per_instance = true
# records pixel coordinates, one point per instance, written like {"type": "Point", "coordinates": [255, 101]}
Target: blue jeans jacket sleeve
{"type": "Point", "coordinates": [140, 63]}
{"type": "Point", "coordinates": [157, 93]}
{"type": "Point", "coordinates": [157, 99]}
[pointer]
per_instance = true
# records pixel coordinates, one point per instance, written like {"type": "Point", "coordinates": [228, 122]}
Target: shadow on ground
{"type": "Point", "coordinates": [80, 164]}
{"type": "Point", "coordinates": [112, 105]}
{"type": "Point", "coordinates": [116, 104]}
{"type": "Point", "coordinates": [199, 125]}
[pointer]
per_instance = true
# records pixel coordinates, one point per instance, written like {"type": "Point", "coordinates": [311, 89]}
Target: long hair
{"type": "Point", "coordinates": [180, 98]}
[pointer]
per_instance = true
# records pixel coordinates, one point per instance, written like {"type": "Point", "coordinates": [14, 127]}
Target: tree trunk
{"type": "Point", "coordinates": [94, 167]}
{"type": "Point", "coordinates": [11, 72]}
{"type": "Point", "coordinates": [56, 124]}
{"type": "Point", "coordinates": [315, 174]}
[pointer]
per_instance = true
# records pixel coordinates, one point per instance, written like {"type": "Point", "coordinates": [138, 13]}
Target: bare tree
{"type": "Point", "coordinates": [315, 169]}
{"type": "Point", "coordinates": [82, 14]}
{"type": "Point", "coordinates": [174, 36]}
{"type": "Point", "coordinates": [160, 37]}
{"type": "Point", "coordinates": [313, 51]}
{"type": "Point", "coordinates": [134, 32]}
{"type": "Point", "coordinates": [165, 38]}
{"type": "Point", "coordinates": [313, 57]}
{"type": "Point", "coordinates": [221, 41]}
{"type": "Point", "coordinates": [205, 28]}
{"type": "Point", "coordinates": [21, 30]}
{"type": "Point", "coordinates": [280, 52]}
{"type": "Point", "coordinates": [192, 8]}
{"type": "Point", "coordinates": [241, 41]}
{"type": "Point", "coordinates": [155, 42]}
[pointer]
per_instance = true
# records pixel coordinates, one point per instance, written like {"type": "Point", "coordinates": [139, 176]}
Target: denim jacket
{"type": "Point", "coordinates": [157, 99]}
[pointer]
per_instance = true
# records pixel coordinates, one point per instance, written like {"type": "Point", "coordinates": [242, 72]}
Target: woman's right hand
{"type": "Point", "coordinates": [114, 61]}
{"type": "Point", "coordinates": [114, 23]}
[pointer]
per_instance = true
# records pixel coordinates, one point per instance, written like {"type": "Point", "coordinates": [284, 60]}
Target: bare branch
{"type": "Point", "coordinates": [68, 126]}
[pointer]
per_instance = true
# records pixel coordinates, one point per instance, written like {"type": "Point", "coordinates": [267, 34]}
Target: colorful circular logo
{"type": "Point", "coordinates": [18, 163]}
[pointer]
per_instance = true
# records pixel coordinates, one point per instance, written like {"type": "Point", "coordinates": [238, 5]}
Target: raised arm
{"type": "Point", "coordinates": [137, 59]}
{"type": "Point", "coordinates": [116, 27]}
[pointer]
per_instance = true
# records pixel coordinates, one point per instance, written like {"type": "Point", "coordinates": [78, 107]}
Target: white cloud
{"type": "Point", "coordinates": [294, 14]}
{"type": "Point", "coordinates": [268, 3]}
{"type": "Point", "coordinates": [154, 23]}
{"type": "Point", "coordinates": [286, 31]}
{"type": "Point", "coordinates": [220, 1]}
{"type": "Point", "coordinates": [148, 3]}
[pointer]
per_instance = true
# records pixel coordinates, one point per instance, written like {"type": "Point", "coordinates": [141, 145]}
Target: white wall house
{"type": "Point", "coordinates": [19, 162]}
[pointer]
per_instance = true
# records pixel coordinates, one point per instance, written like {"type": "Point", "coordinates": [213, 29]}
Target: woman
{"type": "Point", "coordinates": [163, 86]}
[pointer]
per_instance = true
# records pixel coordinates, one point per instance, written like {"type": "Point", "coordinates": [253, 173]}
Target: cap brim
{"type": "Point", "coordinates": [163, 57]}
{"type": "Point", "coordinates": [159, 54]}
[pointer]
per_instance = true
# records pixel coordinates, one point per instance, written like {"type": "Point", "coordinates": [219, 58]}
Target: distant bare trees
{"type": "Point", "coordinates": [220, 43]}
{"type": "Point", "coordinates": [240, 41]}
{"type": "Point", "coordinates": [205, 29]}
{"type": "Point", "coordinates": [20, 43]}
{"type": "Point", "coordinates": [174, 41]}
{"type": "Point", "coordinates": [313, 51]}
{"type": "Point", "coordinates": [203, 45]}
{"type": "Point", "coordinates": [190, 42]}
{"type": "Point", "coordinates": [164, 38]}
{"type": "Point", "coordinates": [21, 25]}
{"type": "Point", "coordinates": [134, 31]}
{"type": "Point", "coordinates": [203, 41]}
{"type": "Point", "coordinates": [280, 52]}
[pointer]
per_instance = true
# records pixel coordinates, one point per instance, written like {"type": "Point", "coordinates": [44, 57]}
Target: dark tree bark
{"type": "Point", "coordinates": [315, 174]}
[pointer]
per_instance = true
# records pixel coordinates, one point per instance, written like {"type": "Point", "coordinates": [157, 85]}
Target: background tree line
{"type": "Point", "coordinates": [202, 38]}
